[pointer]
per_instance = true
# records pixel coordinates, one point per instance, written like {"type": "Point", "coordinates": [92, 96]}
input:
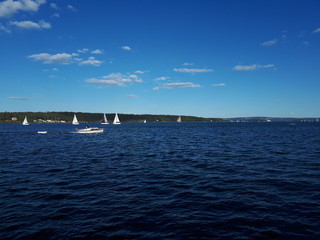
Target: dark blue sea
{"type": "Point", "coordinates": [161, 181]}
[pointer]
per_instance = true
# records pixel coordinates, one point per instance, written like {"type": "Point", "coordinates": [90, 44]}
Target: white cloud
{"type": "Point", "coordinates": [97, 51]}
{"type": "Point", "coordinates": [10, 7]}
{"type": "Point", "coordinates": [59, 58]}
{"type": "Point", "coordinates": [31, 25]}
{"type": "Point", "coordinates": [161, 78]}
{"type": "Point", "coordinates": [270, 43]}
{"type": "Point", "coordinates": [19, 98]}
{"type": "Point", "coordinates": [192, 70]}
{"type": "Point", "coordinates": [133, 76]}
{"type": "Point", "coordinates": [53, 69]}
{"type": "Point", "coordinates": [70, 7]}
{"type": "Point", "coordinates": [56, 15]}
{"type": "Point", "coordinates": [132, 96]}
{"type": "Point", "coordinates": [139, 72]}
{"type": "Point", "coordinates": [126, 48]}
{"type": "Point", "coordinates": [65, 58]}
{"type": "Point", "coordinates": [3, 28]}
{"type": "Point", "coordinates": [316, 30]}
{"type": "Point", "coordinates": [54, 5]}
{"type": "Point", "coordinates": [219, 85]}
{"type": "Point", "coordinates": [110, 82]}
{"type": "Point", "coordinates": [83, 50]}
{"type": "Point", "coordinates": [115, 79]}
{"type": "Point", "coordinates": [252, 67]}
{"type": "Point", "coordinates": [92, 62]}
{"type": "Point", "coordinates": [177, 85]}
{"type": "Point", "coordinates": [188, 64]}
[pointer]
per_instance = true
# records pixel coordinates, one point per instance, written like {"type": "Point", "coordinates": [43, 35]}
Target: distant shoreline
{"type": "Point", "coordinates": [66, 117]}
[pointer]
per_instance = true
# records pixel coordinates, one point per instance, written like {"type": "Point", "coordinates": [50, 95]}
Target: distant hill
{"type": "Point", "coordinates": [40, 117]}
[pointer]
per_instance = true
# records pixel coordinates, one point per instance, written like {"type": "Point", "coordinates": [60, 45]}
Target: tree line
{"type": "Point", "coordinates": [11, 117]}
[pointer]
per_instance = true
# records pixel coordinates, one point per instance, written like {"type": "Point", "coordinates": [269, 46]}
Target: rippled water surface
{"type": "Point", "coordinates": [161, 181]}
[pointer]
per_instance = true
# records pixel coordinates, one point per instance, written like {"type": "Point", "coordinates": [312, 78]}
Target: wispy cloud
{"type": "Point", "coordinates": [31, 25]}
{"type": "Point", "coordinates": [70, 7]}
{"type": "Point", "coordinates": [54, 6]}
{"type": "Point", "coordinates": [59, 58]}
{"type": "Point", "coordinates": [19, 98]}
{"type": "Point", "coordinates": [252, 67]}
{"type": "Point", "coordinates": [177, 85]}
{"type": "Point", "coordinates": [115, 79]}
{"type": "Point", "coordinates": [161, 78]}
{"type": "Point", "coordinates": [132, 96]}
{"type": "Point", "coordinates": [270, 43]}
{"type": "Point", "coordinates": [316, 30]}
{"type": "Point", "coordinates": [56, 15]}
{"type": "Point", "coordinates": [97, 51]}
{"type": "Point", "coordinates": [53, 69]}
{"type": "Point", "coordinates": [126, 48]}
{"type": "Point", "coordinates": [188, 64]}
{"type": "Point", "coordinates": [219, 85]}
{"type": "Point", "coordinates": [66, 58]}
{"type": "Point", "coordinates": [139, 72]}
{"type": "Point", "coordinates": [192, 70]}
{"type": "Point", "coordinates": [10, 7]}
{"type": "Point", "coordinates": [92, 62]}
{"type": "Point", "coordinates": [4, 29]}
{"type": "Point", "coordinates": [83, 50]}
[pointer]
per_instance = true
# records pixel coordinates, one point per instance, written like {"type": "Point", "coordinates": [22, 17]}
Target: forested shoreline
{"type": "Point", "coordinates": [66, 117]}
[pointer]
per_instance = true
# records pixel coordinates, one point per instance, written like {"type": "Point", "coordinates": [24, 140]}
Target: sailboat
{"type": "Point", "coordinates": [145, 121]}
{"type": "Point", "coordinates": [116, 119]}
{"type": "Point", "coordinates": [179, 119]}
{"type": "Point", "coordinates": [75, 120]}
{"type": "Point", "coordinates": [25, 121]}
{"type": "Point", "coordinates": [104, 121]}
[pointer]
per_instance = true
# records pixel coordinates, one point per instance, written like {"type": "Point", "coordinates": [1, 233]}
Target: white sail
{"type": "Point", "coordinates": [105, 121]}
{"type": "Point", "coordinates": [25, 121]}
{"type": "Point", "coordinates": [179, 119]}
{"type": "Point", "coordinates": [116, 119]}
{"type": "Point", "coordinates": [75, 120]}
{"type": "Point", "coordinates": [145, 121]}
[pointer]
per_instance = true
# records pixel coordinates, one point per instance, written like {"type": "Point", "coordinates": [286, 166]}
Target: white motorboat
{"type": "Point", "coordinates": [88, 129]}
{"type": "Point", "coordinates": [42, 132]}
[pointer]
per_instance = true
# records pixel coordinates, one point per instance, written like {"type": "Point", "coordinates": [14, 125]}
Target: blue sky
{"type": "Point", "coordinates": [222, 58]}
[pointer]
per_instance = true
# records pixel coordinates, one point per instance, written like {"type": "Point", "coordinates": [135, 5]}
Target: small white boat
{"type": "Point", "coordinates": [105, 121]}
{"type": "Point", "coordinates": [116, 119]}
{"type": "Point", "coordinates": [145, 121]}
{"type": "Point", "coordinates": [42, 132]}
{"type": "Point", "coordinates": [25, 121]}
{"type": "Point", "coordinates": [88, 129]}
{"type": "Point", "coordinates": [179, 120]}
{"type": "Point", "coordinates": [75, 120]}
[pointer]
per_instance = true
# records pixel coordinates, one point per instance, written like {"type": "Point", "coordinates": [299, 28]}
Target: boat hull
{"type": "Point", "coordinates": [90, 130]}
{"type": "Point", "coordinates": [42, 132]}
